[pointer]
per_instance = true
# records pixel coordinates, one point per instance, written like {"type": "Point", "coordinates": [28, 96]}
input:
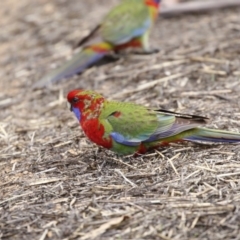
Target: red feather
{"type": "Point", "coordinates": [90, 111]}
{"type": "Point", "coordinates": [95, 131]}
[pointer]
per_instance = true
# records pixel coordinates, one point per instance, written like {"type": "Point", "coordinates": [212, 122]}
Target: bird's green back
{"type": "Point", "coordinates": [127, 20]}
{"type": "Point", "coordinates": [133, 121]}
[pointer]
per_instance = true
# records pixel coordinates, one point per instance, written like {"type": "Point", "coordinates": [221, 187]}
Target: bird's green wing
{"type": "Point", "coordinates": [131, 124]}
{"type": "Point", "coordinates": [128, 20]}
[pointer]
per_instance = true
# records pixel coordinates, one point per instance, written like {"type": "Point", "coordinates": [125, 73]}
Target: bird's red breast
{"type": "Point", "coordinates": [95, 131]}
{"type": "Point", "coordinates": [90, 108]}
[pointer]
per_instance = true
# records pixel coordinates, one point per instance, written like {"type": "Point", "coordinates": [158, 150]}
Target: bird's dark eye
{"type": "Point", "coordinates": [75, 100]}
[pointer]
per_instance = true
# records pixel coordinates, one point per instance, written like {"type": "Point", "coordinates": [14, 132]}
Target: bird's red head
{"type": "Point", "coordinates": [154, 6]}
{"type": "Point", "coordinates": [153, 3]}
{"type": "Point", "coordinates": [84, 102]}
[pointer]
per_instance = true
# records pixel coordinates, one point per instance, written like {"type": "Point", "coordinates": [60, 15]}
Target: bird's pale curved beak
{"type": "Point", "coordinates": [69, 106]}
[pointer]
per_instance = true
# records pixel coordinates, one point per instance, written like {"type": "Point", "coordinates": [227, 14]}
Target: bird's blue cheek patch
{"type": "Point", "coordinates": [77, 113]}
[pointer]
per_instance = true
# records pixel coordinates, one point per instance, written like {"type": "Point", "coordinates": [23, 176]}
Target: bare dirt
{"type": "Point", "coordinates": [55, 184]}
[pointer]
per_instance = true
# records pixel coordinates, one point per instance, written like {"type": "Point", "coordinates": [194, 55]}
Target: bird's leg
{"type": "Point", "coordinates": [146, 49]}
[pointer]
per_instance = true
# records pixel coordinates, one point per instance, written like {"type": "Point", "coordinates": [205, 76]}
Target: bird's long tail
{"type": "Point", "coordinates": [211, 135]}
{"type": "Point", "coordinates": [80, 61]}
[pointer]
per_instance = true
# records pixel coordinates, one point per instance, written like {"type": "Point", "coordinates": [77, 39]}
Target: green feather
{"type": "Point", "coordinates": [133, 15]}
{"type": "Point", "coordinates": [134, 121]}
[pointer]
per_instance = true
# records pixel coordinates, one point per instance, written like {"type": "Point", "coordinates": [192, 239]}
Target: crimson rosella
{"type": "Point", "coordinates": [127, 25]}
{"type": "Point", "coordinates": [128, 128]}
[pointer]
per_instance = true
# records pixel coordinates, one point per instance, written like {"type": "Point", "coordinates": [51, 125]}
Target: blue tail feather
{"type": "Point", "coordinates": [213, 140]}
{"type": "Point", "coordinates": [215, 136]}
{"type": "Point", "coordinates": [77, 64]}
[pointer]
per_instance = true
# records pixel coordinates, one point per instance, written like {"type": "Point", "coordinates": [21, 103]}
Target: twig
{"type": "Point", "coordinates": [125, 178]}
{"type": "Point", "coordinates": [228, 174]}
{"type": "Point", "coordinates": [45, 181]}
{"type": "Point", "coordinates": [151, 84]}
{"type": "Point", "coordinates": [123, 163]}
{"type": "Point", "coordinates": [207, 59]}
{"type": "Point", "coordinates": [44, 235]}
{"type": "Point", "coordinates": [213, 71]}
{"type": "Point", "coordinates": [171, 163]}
{"type": "Point", "coordinates": [204, 168]}
{"type": "Point", "coordinates": [15, 197]}
{"type": "Point", "coordinates": [197, 6]}
{"type": "Point", "coordinates": [196, 93]}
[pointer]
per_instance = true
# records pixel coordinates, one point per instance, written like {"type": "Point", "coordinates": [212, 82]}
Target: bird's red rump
{"type": "Point", "coordinates": [164, 144]}
{"type": "Point", "coordinates": [133, 43]}
{"type": "Point", "coordinates": [99, 49]}
{"type": "Point", "coordinates": [142, 149]}
{"type": "Point", "coordinates": [95, 131]}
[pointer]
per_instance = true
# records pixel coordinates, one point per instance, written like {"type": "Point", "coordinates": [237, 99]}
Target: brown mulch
{"type": "Point", "coordinates": [55, 184]}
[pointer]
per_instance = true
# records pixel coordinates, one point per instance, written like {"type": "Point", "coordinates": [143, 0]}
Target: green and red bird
{"type": "Point", "coordinates": [128, 128]}
{"type": "Point", "coordinates": [126, 26]}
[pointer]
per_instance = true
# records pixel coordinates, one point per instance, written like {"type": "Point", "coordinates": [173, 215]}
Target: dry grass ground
{"type": "Point", "coordinates": [55, 184]}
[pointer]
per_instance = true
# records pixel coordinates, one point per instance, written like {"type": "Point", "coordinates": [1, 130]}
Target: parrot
{"type": "Point", "coordinates": [126, 26]}
{"type": "Point", "coordinates": [128, 128]}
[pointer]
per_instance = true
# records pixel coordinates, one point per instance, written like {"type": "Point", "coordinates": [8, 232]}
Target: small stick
{"type": "Point", "coordinates": [171, 163]}
{"type": "Point", "coordinates": [125, 178]}
{"type": "Point", "coordinates": [197, 6]}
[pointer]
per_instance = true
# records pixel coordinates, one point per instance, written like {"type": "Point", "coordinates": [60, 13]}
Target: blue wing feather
{"type": "Point", "coordinates": [119, 138]}
{"type": "Point", "coordinates": [134, 34]}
